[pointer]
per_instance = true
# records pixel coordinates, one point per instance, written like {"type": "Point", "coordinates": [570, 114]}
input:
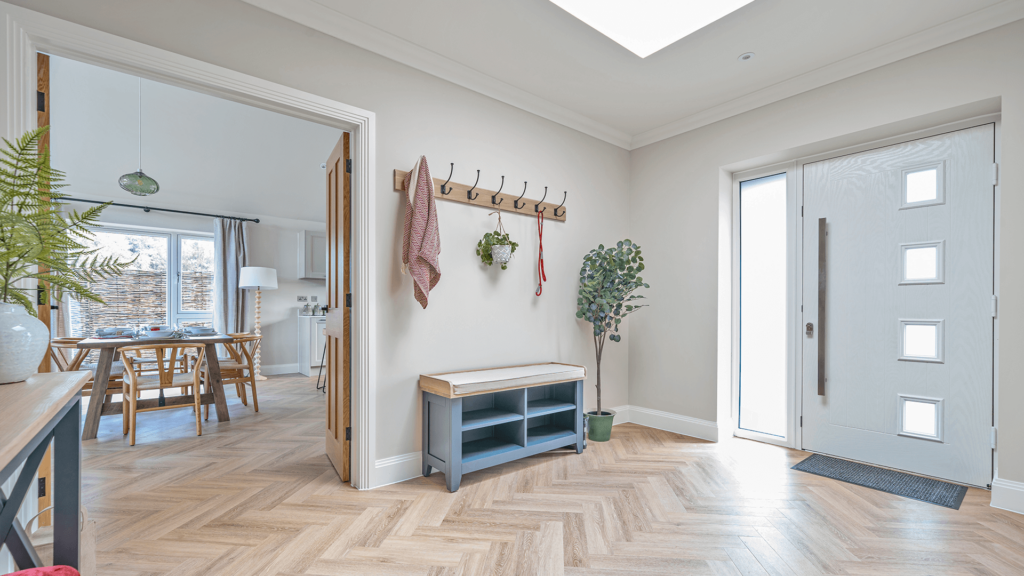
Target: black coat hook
{"type": "Point", "coordinates": [516, 203]}
{"type": "Point", "coordinates": [445, 185]}
{"type": "Point", "coordinates": [469, 193]}
{"type": "Point", "coordinates": [564, 196]}
{"type": "Point", "coordinates": [498, 192]}
{"type": "Point", "coordinates": [536, 207]}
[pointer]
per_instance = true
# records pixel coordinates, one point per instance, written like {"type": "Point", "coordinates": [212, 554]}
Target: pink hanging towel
{"type": "Point", "coordinates": [422, 241]}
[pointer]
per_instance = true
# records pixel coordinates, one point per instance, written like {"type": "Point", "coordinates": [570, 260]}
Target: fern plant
{"type": "Point", "coordinates": [40, 244]}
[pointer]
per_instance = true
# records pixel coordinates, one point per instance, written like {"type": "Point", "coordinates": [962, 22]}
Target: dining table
{"type": "Point", "coordinates": [101, 405]}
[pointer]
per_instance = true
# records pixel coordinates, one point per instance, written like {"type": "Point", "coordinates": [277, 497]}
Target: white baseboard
{"type": "Point", "coordinates": [275, 369]}
{"type": "Point", "coordinates": [685, 425]}
{"type": "Point", "coordinates": [1008, 495]}
{"type": "Point", "coordinates": [621, 414]}
{"type": "Point", "coordinates": [396, 469]}
{"type": "Point", "coordinates": [404, 467]}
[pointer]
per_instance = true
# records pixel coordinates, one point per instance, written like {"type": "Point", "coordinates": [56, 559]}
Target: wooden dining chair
{"type": "Point", "coordinates": [67, 357]}
{"type": "Point", "coordinates": [168, 375]}
{"type": "Point", "coordinates": [240, 368]}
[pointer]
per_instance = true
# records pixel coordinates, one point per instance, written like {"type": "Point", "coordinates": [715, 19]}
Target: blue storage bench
{"type": "Point", "coordinates": [481, 418]}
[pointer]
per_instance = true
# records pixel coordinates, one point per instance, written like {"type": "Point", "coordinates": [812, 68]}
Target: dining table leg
{"type": "Point", "coordinates": [219, 399]}
{"type": "Point", "coordinates": [99, 392]}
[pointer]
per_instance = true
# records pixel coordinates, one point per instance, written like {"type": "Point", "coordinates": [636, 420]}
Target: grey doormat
{"type": "Point", "coordinates": [885, 480]}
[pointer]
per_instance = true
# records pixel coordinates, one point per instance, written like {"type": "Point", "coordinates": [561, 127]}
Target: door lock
{"type": "Point", "coordinates": [810, 329]}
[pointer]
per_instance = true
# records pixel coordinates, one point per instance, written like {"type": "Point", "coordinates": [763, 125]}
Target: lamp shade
{"type": "Point", "coordinates": [259, 278]}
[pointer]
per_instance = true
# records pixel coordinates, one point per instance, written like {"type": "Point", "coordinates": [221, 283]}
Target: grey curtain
{"type": "Point", "coordinates": [231, 247]}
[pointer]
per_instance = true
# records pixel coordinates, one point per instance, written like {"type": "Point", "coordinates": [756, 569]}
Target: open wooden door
{"type": "Point", "coordinates": [339, 311]}
{"type": "Point", "coordinates": [43, 119]}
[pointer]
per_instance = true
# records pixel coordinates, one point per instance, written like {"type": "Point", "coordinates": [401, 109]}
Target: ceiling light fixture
{"type": "Point", "coordinates": [645, 26]}
{"type": "Point", "coordinates": [745, 56]}
{"type": "Point", "coordinates": [137, 182]}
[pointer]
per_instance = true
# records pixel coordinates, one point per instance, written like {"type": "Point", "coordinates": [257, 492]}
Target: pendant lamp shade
{"type": "Point", "coordinates": [137, 182]}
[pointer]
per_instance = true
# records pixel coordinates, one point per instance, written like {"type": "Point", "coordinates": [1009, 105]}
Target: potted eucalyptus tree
{"type": "Point", "coordinates": [609, 279]}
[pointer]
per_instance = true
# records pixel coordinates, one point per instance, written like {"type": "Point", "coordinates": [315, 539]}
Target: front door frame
{"type": "Point", "coordinates": [794, 170]}
{"type": "Point", "coordinates": [29, 32]}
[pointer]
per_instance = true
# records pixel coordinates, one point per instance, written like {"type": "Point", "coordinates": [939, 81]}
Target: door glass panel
{"type": "Point", "coordinates": [919, 418]}
{"type": "Point", "coordinates": [922, 185]}
{"type": "Point", "coordinates": [922, 263]}
{"type": "Point", "coordinates": [762, 374]}
{"type": "Point", "coordinates": [920, 340]}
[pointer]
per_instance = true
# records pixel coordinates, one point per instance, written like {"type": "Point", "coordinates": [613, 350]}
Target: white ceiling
{"type": "Point", "coordinates": [532, 54]}
{"type": "Point", "coordinates": [208, 154]}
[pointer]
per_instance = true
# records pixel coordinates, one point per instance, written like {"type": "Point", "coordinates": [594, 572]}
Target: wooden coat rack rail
{"type": "Point", "coordinates": [506, 202]}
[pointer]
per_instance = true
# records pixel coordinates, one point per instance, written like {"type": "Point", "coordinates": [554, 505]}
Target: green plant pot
{"type": "Point", "coordinates": [600, 425]}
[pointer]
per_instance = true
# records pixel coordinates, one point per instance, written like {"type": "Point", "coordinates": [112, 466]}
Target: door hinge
{"type": "Point", "coordinates": [995, 303]}
{"type": "Point", "coordinates": [42, 487]}
{"type": "Point", "coordinates": [993, 437]}
{"type": "Point", "coordinates": [348, 300]}
{"type": "Point", "coordinates": [995, 174]}
{"type": "Point", "coordinates": [348, 165]}
{"type": "Point", "coordinates": [801, 421]}
{"type": "Point", "coordinates": [348, 433]}
{"type": "Point", "coordinates": [801, 211]}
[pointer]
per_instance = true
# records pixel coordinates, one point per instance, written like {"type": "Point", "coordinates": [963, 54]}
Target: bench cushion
{"type": "Point", "coordinates": [454, 384]}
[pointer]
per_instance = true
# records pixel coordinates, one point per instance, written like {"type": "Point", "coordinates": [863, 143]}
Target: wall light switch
{"type": "Point", "coordinates": [302, 298]}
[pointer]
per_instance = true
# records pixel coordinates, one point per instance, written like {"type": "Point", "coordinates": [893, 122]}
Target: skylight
{"type": "Point", "coordinates": [645, 26]}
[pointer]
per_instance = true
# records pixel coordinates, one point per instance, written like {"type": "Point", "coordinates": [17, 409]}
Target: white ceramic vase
{"type": "Point", "coordinates": [23, 341]}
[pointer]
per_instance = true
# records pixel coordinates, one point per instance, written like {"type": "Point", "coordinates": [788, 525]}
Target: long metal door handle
{"type": "Point", "coordinates": [822, 269]}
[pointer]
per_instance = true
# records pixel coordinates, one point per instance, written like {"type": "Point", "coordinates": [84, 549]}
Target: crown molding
{"type": "Point", "coordinates": [946, 33]}
{"type": "Point", "coordinates": [314, 15]}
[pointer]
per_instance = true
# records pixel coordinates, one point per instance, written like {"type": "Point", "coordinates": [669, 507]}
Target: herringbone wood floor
{"type": "Point", "coordinates": [257, 496]}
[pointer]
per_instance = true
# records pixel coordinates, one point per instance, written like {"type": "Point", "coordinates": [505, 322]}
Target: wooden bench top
{"type": "Point", "coordinates": [482, 381]}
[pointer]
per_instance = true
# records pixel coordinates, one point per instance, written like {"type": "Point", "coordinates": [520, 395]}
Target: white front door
{"type": "Point", "coordinates": [904, 330]}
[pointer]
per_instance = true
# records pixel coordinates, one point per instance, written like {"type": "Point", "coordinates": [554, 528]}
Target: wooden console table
{"type": "Point", "coordinates": [481, 418]}
{"type": "Point", "coordinates": [44, 407]}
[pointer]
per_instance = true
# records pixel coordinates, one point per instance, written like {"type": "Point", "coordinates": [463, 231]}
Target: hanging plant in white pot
{"type": "Point", "coordinates": [39, 246]}
{"type": "Point", "coordinates": [496, 247]}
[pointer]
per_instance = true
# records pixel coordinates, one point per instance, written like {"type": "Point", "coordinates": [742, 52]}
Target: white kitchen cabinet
{"type": "Point", "coordinates": [312, 255]}
{"type": "Point", "coordinates": [311, 343]}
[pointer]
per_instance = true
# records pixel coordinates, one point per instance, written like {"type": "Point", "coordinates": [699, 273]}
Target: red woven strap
{"type": "Point", "coordinates": [541, 277]}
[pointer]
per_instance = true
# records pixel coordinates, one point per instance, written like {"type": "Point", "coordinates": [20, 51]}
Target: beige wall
{"type": "Point", "coordinates": [476, 317]}
{"type": "Point", "coordinates": [679, 212]}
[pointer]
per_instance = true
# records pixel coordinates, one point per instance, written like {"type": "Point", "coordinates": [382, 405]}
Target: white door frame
{"type": "Point", "coordinates": [795, 194]}
{"type": "Point", "coordinates": [27, 32]}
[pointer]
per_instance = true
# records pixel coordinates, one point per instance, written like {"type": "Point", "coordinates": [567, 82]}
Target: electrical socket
{"type": "Point", "coordinates": [302, 298]}
{"type": "Point", "coordinates": [312, 298]}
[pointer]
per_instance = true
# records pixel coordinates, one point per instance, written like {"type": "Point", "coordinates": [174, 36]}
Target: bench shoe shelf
{"type": "Point", "coordinates": [463, 434]}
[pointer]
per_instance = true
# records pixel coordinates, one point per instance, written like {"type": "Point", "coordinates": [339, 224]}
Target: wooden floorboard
{"type": "Point", "coordinates": [257, 496]}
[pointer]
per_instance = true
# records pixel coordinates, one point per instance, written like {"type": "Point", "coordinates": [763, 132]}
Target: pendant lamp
{"type": "Point", "coordinates": [137, 182]}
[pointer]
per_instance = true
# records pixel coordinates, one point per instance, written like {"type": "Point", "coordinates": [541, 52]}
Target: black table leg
{"type": "Point", "coordinates": [67, 487]}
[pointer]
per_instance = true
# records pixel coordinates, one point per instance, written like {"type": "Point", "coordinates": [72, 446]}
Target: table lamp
{"type": "Point", "coordinates": [257, 278]}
